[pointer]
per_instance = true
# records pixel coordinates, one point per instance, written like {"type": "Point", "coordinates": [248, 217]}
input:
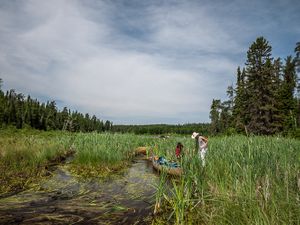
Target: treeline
{"type": "Point", "coordinates": [203, 128]}
{"type": "Point", "coordinates": [20, 111]}
{"type": "Point", "coordinates": [264, 99]}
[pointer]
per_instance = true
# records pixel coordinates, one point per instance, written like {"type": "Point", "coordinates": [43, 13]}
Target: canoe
{"type": "Point", "coordinates": [175, 171]}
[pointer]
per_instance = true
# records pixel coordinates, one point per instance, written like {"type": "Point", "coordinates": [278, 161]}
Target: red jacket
{"type": "Point", "coordinates": [177, 152]}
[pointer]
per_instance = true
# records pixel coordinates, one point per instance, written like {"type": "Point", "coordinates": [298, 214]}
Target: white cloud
{"type": "Point", "coordinates": [153, 63]}
{"type": "Point", "coordinates": [192, 28]}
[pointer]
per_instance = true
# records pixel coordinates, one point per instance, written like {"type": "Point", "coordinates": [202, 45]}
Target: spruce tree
{"type": "Point", "coordinates": [239, 101]}
{"type": "Point", "coordinates": [215, 116]}
{"type": "Point", "coordinates": [297, 64]}
{"type": "Point", "coordinates": [260, 91]}
{"type": "Point", "coordinates": [226, 111]}
{"type": "Point", "coordinates": [289, 102]}
{"type": "Point", "coordinates": [297, 59]}
{"type": "Point", "coordinates": [1, 104]}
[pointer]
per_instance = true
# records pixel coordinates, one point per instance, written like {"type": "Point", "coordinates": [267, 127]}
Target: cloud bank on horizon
{"type": "Point", "coordinates": [137, 62]}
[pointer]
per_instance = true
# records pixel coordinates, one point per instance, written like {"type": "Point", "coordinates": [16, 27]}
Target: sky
{"type": "Point", "coordinates": [137, 61]}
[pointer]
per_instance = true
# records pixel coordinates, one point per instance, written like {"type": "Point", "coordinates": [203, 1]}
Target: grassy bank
{"type": "Point", "coordinates": [25, 156]}
{"type": "Point", "coordinates": [252, 180]}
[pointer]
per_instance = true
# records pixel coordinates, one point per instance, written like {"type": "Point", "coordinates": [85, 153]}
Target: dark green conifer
{"type": "Point", "coordinates": [260, 82]}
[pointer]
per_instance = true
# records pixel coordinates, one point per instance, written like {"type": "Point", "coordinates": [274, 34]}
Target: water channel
{"type": "Point", "coordinates": [123, 198]}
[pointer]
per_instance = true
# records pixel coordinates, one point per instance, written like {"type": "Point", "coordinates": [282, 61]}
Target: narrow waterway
{"type": "Point", "coordinates": [124, 198]}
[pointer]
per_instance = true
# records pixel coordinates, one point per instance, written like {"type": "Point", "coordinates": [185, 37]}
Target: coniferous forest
{"type": "Point", "coordinates": [20, 111]}
{"type": "Point", "coordinates": [203, 128]}
{"type": "Point", "coordinates": [265, 99]}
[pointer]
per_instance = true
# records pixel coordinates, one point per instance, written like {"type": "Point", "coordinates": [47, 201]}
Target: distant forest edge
{"type": "Point", "coordinates": [266, 97]}
{"type": "Point", "coordinates": [203, 128]}
{"type": "Point", "coordinates": [19, 111]}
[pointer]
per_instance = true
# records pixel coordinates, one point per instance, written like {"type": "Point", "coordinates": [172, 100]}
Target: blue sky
{"type": "Point", "coordinates": [137, 62]}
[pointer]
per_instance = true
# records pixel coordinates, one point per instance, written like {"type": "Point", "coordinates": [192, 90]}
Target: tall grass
{"type": "Point", "coordinates": [108, 149]}
{"type": "Point", "coordinates": [99, 154]}
{"type": "Point", "coordinates": [253, 180]}
{"type": "Point", "coordinates": [24, 156]}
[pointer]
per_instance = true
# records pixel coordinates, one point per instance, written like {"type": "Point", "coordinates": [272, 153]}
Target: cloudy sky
{"type": "Point", "coordinates": [137, 61]}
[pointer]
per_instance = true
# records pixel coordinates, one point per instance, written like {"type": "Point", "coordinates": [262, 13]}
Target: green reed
{"type": "Point", "coordinates": [109, 149]}
{"type": "Point", "coordinates": [246, 180]}
{"type": "Point", "coordinates": [24, 156]}
{"type": "Point", "coordinates": [96, 149]}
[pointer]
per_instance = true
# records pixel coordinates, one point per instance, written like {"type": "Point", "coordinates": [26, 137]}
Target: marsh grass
{"type": "Point", "coordinates": [246, 180]}
{"type": "Point", "coordinates": [105, 149]}
{"type": "Point", "coordinates": [25, 155]}
{"type": "Point", "coordinates": [100, 154]}
{"type": "Point", "coordinates": [104, 153]}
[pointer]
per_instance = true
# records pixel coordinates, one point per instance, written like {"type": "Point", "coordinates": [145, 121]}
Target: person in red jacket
{"type": "Point", "coordinates": [178, 150]}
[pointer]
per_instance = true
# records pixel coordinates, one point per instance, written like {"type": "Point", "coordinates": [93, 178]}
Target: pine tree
{"type": "Point", "coordinates": [289, 102]}
{"type": "Point", "coordinates": [297, 64]}
{"type": "Point", "coordinates": [35, 115]}
{"type": "Point", "coordinates": [278, 118]}
{"type": "Point", "coordinates": [226, 111]}
{"type": "Point", "coordinates": [260, 81]}
{"type": "Point", "coordinates": [63, 119]}
{"type": "Point", "coordinates": [215, 116]}
{"type": "Point", "coordinates": [51, 118]}
{"type": "Point", "coordinates": [2, 102]}
{"type": "Point", "coordinates": [297, 51]}
{"type": "Point", "coordinates": [107, 125]}
{"type": "Point", "coordinates": [19, 105]}
{"type": "Point", "coordinates": [239, 101]}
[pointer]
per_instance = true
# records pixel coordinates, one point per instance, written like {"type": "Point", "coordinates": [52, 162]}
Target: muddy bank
{"type": "Point", "coordinates": [123, 198]}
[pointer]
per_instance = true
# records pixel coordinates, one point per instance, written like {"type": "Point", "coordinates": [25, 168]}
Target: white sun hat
{"type": "Point", "coordinates": [194, 135]}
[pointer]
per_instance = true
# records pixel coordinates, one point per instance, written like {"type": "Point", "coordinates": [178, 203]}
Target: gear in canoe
{"type": "Point", "coordinates": [162, 164]}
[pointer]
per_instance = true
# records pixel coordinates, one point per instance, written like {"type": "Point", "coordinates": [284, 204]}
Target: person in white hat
{"type": "Point", "coordinates": [201, 146]}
